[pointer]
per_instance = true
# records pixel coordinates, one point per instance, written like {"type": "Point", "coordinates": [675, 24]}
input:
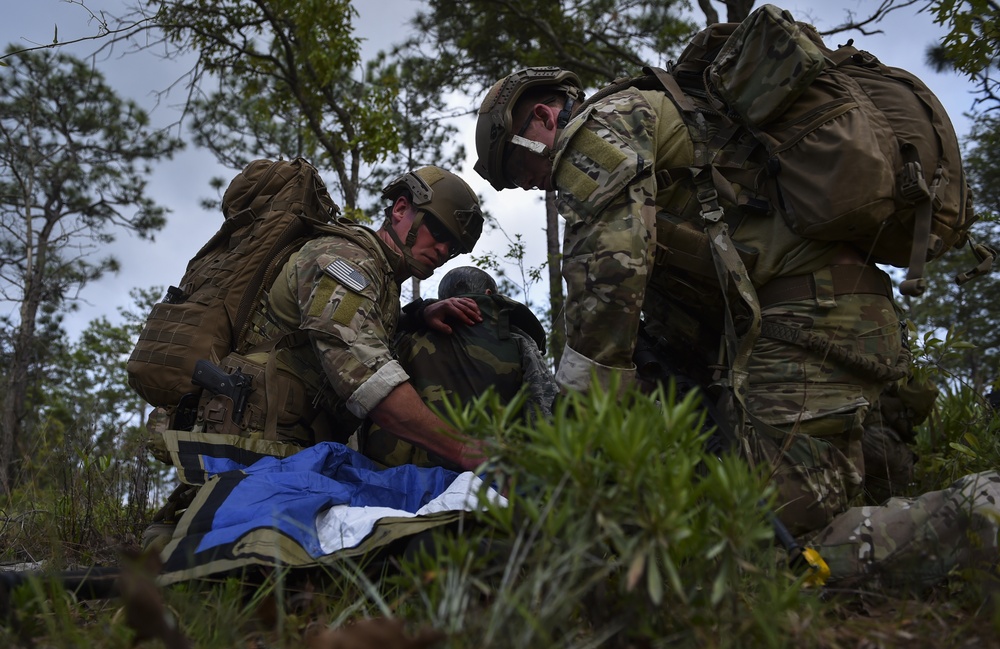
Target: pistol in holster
{"type": "Point", "coordinates": [221, 410]}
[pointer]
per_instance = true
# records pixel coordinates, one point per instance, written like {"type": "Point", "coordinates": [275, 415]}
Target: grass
{"type": "Point", "coordinates": [620, 532]}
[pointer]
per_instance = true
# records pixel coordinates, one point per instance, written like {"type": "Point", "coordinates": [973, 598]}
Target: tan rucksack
{"type": "Point", "coordinates": [857, 151]}
{"type": "Point", "coordinates": [271, 209]}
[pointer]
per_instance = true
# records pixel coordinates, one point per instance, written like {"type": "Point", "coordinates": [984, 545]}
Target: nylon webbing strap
{"type": "Point", "coordinates": [272, 398]}
{"type": "Point", "coordinates": [730, 270]}
{"type": "Point", "coordinates": [914, 188]}
{"type": "Point", "coordinates": [672, 88]}
{"type": "Point", "coordinates": [822, 345]}
{"type": "Point", "coordinates": [985, 255]}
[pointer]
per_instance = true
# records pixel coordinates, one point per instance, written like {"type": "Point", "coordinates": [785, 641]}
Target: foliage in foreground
{"type": "Point", "coordinates": [620, 532]}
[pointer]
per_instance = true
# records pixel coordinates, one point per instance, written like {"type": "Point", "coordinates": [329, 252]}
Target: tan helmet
{"type": "Point", "coordinates": [494, 130]}
{"type": "Point", "coordinates": [447, 198]}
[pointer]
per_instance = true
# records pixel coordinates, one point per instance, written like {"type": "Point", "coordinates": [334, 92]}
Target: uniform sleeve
{"type": "Point", "coordinates": [606, 194]}
{"type": "Point", "coordinates": [541, 385]}
{"type": "Point", "coordinates": [344, 301]}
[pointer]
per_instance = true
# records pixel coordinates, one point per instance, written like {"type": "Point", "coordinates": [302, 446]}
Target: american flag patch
{"type": "Point", "coordinates": [347, 275]}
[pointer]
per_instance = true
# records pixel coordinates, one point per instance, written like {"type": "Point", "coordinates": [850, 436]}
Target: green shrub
{"type": "Point", "coordinates": [619, 528]}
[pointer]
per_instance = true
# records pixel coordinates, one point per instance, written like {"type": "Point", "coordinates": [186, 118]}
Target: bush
{"type": "Point", "coordinates": [619, 528]}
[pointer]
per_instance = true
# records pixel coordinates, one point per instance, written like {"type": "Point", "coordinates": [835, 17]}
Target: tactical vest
{"type": "Point", "coordinates": [292, 401]}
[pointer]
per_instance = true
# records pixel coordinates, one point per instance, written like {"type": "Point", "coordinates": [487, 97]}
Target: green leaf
{"type": "Point", "coordinates": [962, 448]}
{"type": "Point", "coordinates": [719, 586]}
{"type": "Point", "coordinates": [716, 549]}
{"type": "Point", "coordinates": [654, 583]}
{"type": "Point", "coordinates": [635, 570]}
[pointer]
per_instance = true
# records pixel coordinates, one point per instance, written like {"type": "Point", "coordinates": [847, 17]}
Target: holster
{"type": "Point", "coordinates": [215, 413]}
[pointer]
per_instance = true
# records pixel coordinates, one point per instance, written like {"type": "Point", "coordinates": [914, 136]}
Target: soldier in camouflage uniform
{"type": "Point", "coordinates": [342, 291]}
{"type": "Point", "coordinates": [831, 337]}
{"type": "Point", "coordinates": [327, 324]}
{"type": "Point", "coordinates": [504, 352]}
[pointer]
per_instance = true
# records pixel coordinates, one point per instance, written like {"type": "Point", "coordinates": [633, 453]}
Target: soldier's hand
{"type": "Point", "coordinates": [472, 455]}
{"type": "Point", "coordinates": [453, 310]}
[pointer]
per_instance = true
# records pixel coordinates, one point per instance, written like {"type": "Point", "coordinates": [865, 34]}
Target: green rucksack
{"type": "Point", "coordinates": [271, 209]}
{"type": "Point", "coordinates": [856, 150]}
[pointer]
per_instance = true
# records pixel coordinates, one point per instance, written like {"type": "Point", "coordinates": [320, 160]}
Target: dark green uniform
{"type": "Point", "coordinates": [495, 354]}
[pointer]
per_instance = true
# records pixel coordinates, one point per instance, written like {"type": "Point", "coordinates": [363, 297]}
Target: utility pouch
{"type": "Point", "coordinates": [765, 65]}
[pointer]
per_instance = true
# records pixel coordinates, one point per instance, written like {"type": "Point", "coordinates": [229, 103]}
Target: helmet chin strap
{"type": "Point", "coordinates": [537, 147]}
{"type": "Point", "coordinates": [415, 268]}
{"type": "Point", "coordinates": [567, 111]}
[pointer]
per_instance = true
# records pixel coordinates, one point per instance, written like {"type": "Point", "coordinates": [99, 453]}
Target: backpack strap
{"type": "Point", "coordinates": [915, 189]}
{"type": "Point", "coordinates": [672, 88]}
{"type": "Point", "coordinates": [730, 269]}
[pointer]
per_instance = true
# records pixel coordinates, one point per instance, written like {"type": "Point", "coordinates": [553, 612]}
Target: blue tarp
{"type": "Point", "coordinates": [321, 500]}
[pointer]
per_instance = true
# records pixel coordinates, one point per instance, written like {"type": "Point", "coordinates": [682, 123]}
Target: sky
{"type": "Point", "coordinates": [182, 182]}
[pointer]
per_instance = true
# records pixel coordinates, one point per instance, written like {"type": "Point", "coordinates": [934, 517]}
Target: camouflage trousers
{"type": "Point", "coordinates": [916, 542]}
{"type": "Point", "coordinates": [807, 406]}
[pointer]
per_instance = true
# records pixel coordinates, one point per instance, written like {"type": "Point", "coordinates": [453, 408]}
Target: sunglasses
{"type": "Point", "coordinates": [442, 234]}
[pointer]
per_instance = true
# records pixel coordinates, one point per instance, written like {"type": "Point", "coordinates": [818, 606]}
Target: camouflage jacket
{"type": "Point", "coordinates": [497, 354]}
{"type": "Point", "coordinates": [341, 291]}
{"type": "Point", "coordinates": [618, 169]}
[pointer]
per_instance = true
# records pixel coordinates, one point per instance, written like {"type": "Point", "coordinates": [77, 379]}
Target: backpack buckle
{"type": "Point", "coordinates": [912, 185]}
{"type": "Point", "coordinates": [711, 211]}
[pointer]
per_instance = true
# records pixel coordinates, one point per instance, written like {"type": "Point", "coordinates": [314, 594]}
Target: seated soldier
{"type": "Point", "coordinates": [503, 352]}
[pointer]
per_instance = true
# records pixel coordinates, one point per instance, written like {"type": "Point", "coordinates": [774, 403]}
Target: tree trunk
{"type": "Point", "coordinates": [15, 395]}
{"type": "Point", "coordinates": [557, 321]}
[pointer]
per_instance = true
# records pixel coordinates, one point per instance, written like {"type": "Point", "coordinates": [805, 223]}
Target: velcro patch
{"type": "Point", "coordinates": [592, 145]}
{"type": "Point", "coordinates": [574, 181]}
{"type": "Point", "coordinates": [347, 275]}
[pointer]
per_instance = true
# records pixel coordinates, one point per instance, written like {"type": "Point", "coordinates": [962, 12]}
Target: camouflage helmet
{"type": "Point", "coordinates": [449, 199]}
{"type": "Point", "coordinates": [494, 130]}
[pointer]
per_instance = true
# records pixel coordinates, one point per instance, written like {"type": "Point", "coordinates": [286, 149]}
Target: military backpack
{"type": "Point", "coordinates": [854, 150]}
{"type": "Point", "coordinates": [271, 209]}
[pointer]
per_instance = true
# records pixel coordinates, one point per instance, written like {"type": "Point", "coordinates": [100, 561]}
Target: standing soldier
{"type": "Point", "coordinates": [635, 249]}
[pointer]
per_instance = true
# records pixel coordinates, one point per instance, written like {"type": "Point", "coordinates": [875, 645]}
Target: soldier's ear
{"type": "Point", "coordinates": [547, 115]}
{"type": "Point", "coordinates": [399, 209]}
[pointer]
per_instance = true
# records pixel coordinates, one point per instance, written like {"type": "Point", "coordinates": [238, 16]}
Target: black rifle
{"type": "Point", "coordinates": [236, 386]}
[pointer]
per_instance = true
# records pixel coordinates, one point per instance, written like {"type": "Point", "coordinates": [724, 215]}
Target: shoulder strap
{"type": "Point", "coordinates": [355, 232]}
{"type": "Point", "coordinates": [730, 269]}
